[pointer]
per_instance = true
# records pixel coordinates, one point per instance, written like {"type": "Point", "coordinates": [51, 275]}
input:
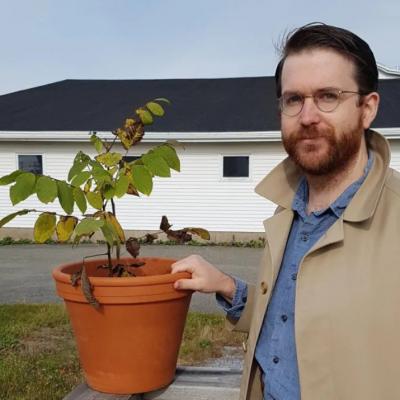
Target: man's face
{"type": "Point", "coordinates": [321, 143]}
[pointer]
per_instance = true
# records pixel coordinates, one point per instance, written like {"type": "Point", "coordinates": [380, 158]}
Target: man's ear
{"type": "Point", "coordinates": [370, 104]}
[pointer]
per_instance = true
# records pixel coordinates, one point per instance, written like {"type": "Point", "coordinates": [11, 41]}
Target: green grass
{"type": "Point", "coordinates": [38, 360]}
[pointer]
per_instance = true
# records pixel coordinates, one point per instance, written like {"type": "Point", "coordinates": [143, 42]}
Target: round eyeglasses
{"type": "Point", "coordinates": [326, 100]}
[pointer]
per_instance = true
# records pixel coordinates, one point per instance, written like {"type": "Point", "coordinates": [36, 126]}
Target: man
{"type": "Point", "coordinates": [324, 316]}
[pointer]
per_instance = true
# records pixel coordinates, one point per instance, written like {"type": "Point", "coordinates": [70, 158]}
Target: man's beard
{"type": "Point", "coordinates": [328, 154]}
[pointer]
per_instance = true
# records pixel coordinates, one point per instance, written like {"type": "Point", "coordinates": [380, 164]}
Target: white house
{"type": "Point", "coordinates": [229, 129]}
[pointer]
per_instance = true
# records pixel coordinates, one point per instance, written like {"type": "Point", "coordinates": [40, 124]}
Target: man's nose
{"type": "Point", "coordinates": [310, 114]}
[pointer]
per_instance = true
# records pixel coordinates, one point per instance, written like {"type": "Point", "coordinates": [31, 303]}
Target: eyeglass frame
{"type": "Point", "coordinates": [338, 91]}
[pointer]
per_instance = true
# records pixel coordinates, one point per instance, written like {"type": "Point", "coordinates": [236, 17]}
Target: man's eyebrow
{"type": "Point", "coordinates": [314, 91]}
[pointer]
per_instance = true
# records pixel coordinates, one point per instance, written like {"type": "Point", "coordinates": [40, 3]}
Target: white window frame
{"type": "Point", "coordinates": [236, 178]}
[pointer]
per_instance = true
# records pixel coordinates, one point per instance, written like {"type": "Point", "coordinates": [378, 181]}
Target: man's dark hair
{"type": "Point", "coordinates": [320, 36]}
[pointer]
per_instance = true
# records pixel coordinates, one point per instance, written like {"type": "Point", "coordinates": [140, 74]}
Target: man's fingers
{"type": "Point", "coordinates": [181, 266]}
{"type": "Point", "coordinates": [185, 284]}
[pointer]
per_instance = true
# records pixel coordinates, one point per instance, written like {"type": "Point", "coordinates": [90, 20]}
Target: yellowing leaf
{"type": "Point", "coordinates": [44, 227]}
{"type": "Point", "coordinates": [145, 116]}
{"type": "Point", "coordinates": [109, 159]}
{"type": "Point", "coordinates": [110, 218]}
{"type": "Point", "coordinates": [46, 189]}
{"type": "Point", "coordinates": [95, 200]}
{"type": "Point", "coordinates": [97, 143]}
{"type": "Point", "coordinates": [203, 233]}
{"type": "Point", "coordinates": [65, 227]}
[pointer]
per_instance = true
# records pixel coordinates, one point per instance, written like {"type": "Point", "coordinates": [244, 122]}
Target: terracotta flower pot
{"type": "Point", "coordinates": [131, 343]}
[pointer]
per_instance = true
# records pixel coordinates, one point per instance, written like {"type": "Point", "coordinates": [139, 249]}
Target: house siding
{"type": "Point", "coordinates": [197, 196]}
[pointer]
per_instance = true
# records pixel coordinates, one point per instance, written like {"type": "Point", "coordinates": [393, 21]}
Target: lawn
{"type": "Point", "coordinates": [38, 359]}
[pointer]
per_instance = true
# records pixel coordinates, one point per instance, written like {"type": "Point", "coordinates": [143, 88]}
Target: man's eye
{"type": "Point", "coordinates": [293, 99]}
{"type": "Point", "coordinates": [328, 96]}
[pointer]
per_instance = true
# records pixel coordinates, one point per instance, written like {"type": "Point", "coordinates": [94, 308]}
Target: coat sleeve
{"type": "Point", "coordinates": [243, 323]}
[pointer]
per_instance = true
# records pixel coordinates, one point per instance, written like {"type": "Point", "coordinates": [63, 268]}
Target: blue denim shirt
{"type": "Point", "coordinates": [276, 346]}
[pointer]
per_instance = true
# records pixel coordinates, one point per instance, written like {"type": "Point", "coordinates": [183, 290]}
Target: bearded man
{"type": "Point", "coordinates": [323, 319]}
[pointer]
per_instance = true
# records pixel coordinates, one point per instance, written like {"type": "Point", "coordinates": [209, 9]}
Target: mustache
{"type": "Point", "coordinates": [312, 132]}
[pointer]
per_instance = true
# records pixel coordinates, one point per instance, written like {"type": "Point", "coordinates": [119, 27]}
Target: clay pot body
{"type": "Point", "coordinates": [131, 343]}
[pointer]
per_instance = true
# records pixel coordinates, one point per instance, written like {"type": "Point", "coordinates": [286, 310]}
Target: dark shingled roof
{"type": "Point", "coordinates": [198, 105]}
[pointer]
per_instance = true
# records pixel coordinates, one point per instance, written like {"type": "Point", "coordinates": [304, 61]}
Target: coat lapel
{"type": "Point", "coordinates": [277, 229]}
{"type": "Point", "coordinates": [333, 235]}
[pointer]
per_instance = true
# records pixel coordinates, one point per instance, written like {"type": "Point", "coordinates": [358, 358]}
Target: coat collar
{"type": "Point", "coordinates": [281, 183]}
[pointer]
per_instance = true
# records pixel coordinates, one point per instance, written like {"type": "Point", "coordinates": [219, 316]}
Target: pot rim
{"type": "Point", "coordinates": [64, 277]}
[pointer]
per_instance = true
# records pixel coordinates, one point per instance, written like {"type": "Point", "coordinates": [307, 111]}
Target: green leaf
{"type": "Point", "coordinates": [99, 173]}
{"type": "Point", "coordinates": [157, 165]}
{"type": "Point", "coordinates": [142, 179]}
{"type": "Point", "coordinates": [88, 225]}
{"type": "Point", "coordinates": [7, 179]}
{"type": "Point", "coordinates": [155, 108]}
{"type": "Point", "coordinates": [168, 153]}
{"type": "Point", "coordinates": [121, 185]}
{"type": "Point", "coordinates": [65, 196]}
{"type": "Point", "coordinates": [80, 199]}
{"type": "Point", "coordinates": [76, 168]}
{"type": "Point", "coordinates": [108, 233]}
{"type": "Point", "coordinates": [46, 189]}
{"type": "Point", "coordinates": [97, 143]}
{"type": "Point", "coordinates": [44, 227]}
{"type": "Point", "coordinates": [145, 116]}
{"type": "Point", "coordinates": [65, 227]}
{"type": "Point", "coordinates": [9, 217]}
{"type": "Point", "coordinates": [108, 191]}
{"type": "Point", "coordinates": [109, 159]}
{"type": "Point", "coordinates": [95, 200]}
{"type": "Point", "coordinates": [81, 178]}
{"type": "Point", "coordinates": [23, 188]}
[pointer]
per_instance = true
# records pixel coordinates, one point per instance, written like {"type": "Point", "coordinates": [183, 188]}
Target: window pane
{"type": "Point", "coordinates": [129, 159]}
{"type": "Point", "coordinates": [236, 166]}
{"type": "Point", "coordinates": [31, 163]}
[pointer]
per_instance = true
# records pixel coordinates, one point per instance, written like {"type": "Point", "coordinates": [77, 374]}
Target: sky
{"type": "Point", "coordinates": [44, 41]}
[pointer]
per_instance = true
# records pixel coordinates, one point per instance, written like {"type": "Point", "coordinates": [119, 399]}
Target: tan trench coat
{"type": "Point", "coordinates": [347, 310]}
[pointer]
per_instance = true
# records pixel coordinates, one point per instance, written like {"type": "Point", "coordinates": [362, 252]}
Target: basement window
{"type": "Point", "coordinates": [236, 166]}
{"type": "Point", "coordinates": [31, 163]}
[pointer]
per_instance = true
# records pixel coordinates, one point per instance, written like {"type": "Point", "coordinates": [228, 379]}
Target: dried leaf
{"type": "Point", "coordinates": [87, 289]}
{"type": "Point", "coordinates": [164, 226]}
{"type": "Point", "coordinates": [133, 247]}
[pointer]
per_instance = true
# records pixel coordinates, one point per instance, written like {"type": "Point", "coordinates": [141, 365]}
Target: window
{"type": "Point", "coordinates": [236, 167]}
{"type": "Point", "coordinates": [31, 163]}
{"type": "Point", "coordinates": [129, 159]}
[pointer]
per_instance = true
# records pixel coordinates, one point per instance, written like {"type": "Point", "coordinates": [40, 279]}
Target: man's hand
{"type": "Point", "coordinates": [205, 277]}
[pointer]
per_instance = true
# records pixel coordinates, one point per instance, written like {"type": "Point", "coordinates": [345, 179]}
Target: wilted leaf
{"type": "Point", "coordinates": [7, 179]}
{"type": "Point", "coordinates": [132, 190]}
{"type": "Point", "coordinates": [157, 165]}
{"type": "Point", "coordinates": [180, 236]}
{"type": "Point", "coordinates": [95, 200]}
{"type": "Point", "coordinates": [9, 217]}
{"type": "Point", "coordinates": [155, 108]}
{"type": "Point", "coordinates": [109, 159]}
{"type": "Point", "coordinates": [24, 186]}
{"type": "Point", "coordinates": [133, 247]}
{"type": "Point", "coordinates": [121, 185]}
{"type": "Point", "coordinates": [44, 227]}
{"type": "Point", "coordinates": [145, 116]}
{"type": "Point", "coordinates": [142, 179]}
{"type": "Point", "coordinates": [88, 225]}
{"type": "Point", "coordinates": [97, 143]}
{"type": "Point", "coordinates": [80, 199]}
{"type": "Point", "coordinates": [65, 197]}
{"type": "Point", "coordinates": [65, 227]}
{"type": "Point", "coordinates": [87, 289]}
{"type": "Point", "coordinates": [168, 153]}
{"type": "Point", "coordinates": [203, 233]}
{"type": "Point", "coordinates": [81, 178]}
{"type": "Point", "coordinates": [164, 225]}
{"type": "Point", "coordinates": [110, 218]}
{"type": "Point", "coordinates": [46, 189]}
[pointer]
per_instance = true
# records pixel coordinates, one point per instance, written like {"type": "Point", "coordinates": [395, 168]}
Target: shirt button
{"type": "Point", "coordinates": [294, 276]}
{"type": "Point", "coordinates": [284, 317]}
{"type": "Point", "coordinates": [304, 237]}
{"type": "Point", "coordinates": [275, 360]}
{"type": "Point", "coordinates": [264, 287]}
